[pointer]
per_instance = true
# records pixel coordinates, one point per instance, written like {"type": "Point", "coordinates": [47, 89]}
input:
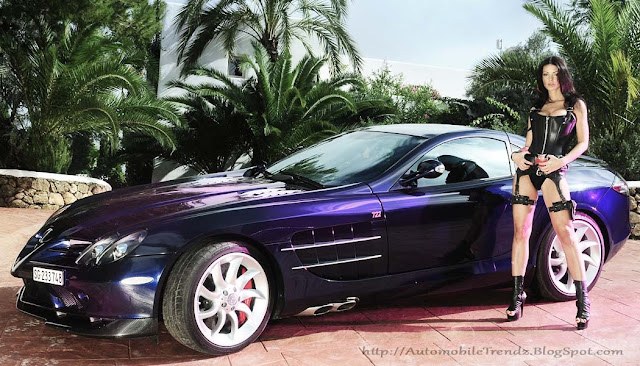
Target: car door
{"type": "Point", "coordinates": [463, 215]}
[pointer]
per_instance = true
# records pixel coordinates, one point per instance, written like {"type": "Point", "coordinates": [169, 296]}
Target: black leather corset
{"type": "Point", "coordinates": [552, 134]}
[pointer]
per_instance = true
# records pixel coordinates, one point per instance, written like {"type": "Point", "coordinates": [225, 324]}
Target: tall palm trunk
{"type": "Point", "coordinates": [270, 43]}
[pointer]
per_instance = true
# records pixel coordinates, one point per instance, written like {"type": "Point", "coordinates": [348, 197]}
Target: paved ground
{"type": "Point", "coordinates": [452, 330]}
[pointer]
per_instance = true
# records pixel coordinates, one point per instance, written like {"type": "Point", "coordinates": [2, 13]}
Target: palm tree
{"type": "Point", "coordinates": [70, 83]}
{"type": "Point", "coordinates": [600, 40]}
{"type": "Point", "coordinates": [282, 106]}
{"type": "Point", "coordinates": [272, 23]}
{"type": "Point", "coordinates": [603, 54]}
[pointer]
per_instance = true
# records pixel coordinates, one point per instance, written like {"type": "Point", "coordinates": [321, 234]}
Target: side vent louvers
{"type": "Point", "coordinates": [335, 245]}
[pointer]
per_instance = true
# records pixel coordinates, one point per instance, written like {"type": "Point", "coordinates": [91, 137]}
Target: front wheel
{"type": "Point", "coordinates": [218, 298]}
{"type": "Point", "coordinates": [553, 278]}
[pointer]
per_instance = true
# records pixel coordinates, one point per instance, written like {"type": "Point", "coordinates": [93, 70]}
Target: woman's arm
{"type": "Point", "coordinates": [582, 131]}
{"type": "Point", "coordinates": [518, 156]}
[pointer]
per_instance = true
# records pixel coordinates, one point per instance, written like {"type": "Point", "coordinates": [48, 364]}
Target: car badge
{"type": "Point", "coordinates": [44, 235]}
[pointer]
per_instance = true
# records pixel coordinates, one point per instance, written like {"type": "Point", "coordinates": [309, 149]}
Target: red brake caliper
{"type": "Point", "coordinates": [242, 317]}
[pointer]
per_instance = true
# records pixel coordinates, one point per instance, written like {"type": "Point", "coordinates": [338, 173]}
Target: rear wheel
{"type": "Point", "coordinates": [218, 298]}
{"type": "Point", "coordinates": [552, 274]}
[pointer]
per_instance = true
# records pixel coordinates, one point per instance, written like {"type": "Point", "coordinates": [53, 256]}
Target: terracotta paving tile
{"type": "Point", "coordinates": [255, 354]}
{"type": "Point", "coordinates": [312, 357]}
{"type": "Point", "coordinates": [397, 314]}
{"type": "Point", "coordinates": [398, 335]}
{"type": "Point", "coordinates": [86, 363]}
{"type": "Point", "coordinates": [186, 361]}
{"type": "Point", "coordinates": [317, 338]}
{"type": "Point", "coordinates": [421, 330]}
{"type": "Point", "coordinates": [63, 348]}
{"type": "Point", "coordinates": [166, 346]}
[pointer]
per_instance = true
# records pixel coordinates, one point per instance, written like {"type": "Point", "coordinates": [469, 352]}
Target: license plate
{"type": "Point", "coordinates": [51, 276]}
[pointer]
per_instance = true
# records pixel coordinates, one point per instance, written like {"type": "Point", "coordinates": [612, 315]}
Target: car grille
{"type": "Point", "coordinates": [69, 247]}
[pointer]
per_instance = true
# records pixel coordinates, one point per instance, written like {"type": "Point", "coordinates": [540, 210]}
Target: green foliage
{"type": "Point", "coordinates": [208, 119]}
{"type": "Point", "coordinates": [41, 153]}
{"type": "Point", "coordinates": [602, 50]}
{"type": "Point", "coordinates": [272, 23]}
{"type": "Point", "coordinates": [620, 153]}
{"type": "Point", "coordinates": [600, 40]}
{"type": "Point", "coordinates": [72, 83]}
{"type": "Point", "coordinates": [84, 154]}
{"type": "Point", "coordinates": [507, 119]}
{"type": "Point", "coordinates": [510, 77]}
{"type": "Point", "coordinates": [74, 72]}
{"type": "Point", "coordinates": [283, 106]}
{"type": "Point", "coordinates": [412, 103]}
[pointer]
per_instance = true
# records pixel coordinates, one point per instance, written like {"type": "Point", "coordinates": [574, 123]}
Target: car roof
{"type": "Point", "coordinates": [420, 129]}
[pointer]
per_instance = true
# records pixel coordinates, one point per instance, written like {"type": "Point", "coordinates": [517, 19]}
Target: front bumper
{"type": "Point", "coordinates": [85, 325]}
{"type": "Point", "coordinates": [117, 300]}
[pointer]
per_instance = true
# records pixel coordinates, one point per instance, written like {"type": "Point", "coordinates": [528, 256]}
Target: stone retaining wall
{"type": "Point", "coordinates": [25, 189]}
{"type": "Point", "coordinates": [634, 206]}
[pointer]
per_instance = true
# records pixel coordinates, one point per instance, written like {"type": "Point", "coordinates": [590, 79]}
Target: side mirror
{"type": "Point", "coordinates": [426, 169]}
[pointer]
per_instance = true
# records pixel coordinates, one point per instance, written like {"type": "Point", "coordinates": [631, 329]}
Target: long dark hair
{"type": "Point", "coordinates": [571, 96]}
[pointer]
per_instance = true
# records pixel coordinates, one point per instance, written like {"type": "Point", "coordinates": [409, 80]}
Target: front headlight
{"type": "Point", "coordinates": [111, 249]}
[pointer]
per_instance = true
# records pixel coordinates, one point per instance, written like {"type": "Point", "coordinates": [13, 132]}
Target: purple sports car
{"type": "Point", "coordinates": [377, 212]}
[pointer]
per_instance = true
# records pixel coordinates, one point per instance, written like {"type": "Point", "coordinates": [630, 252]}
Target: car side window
{"type": "Point", "coordinates": [467, 159]}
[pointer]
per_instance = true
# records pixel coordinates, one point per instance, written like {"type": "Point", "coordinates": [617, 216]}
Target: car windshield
{"type": "Point", "coordinates": [349, 158]}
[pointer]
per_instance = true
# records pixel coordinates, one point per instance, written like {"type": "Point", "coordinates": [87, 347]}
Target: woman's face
{"type": "Point", "coordinates": [550, 77]}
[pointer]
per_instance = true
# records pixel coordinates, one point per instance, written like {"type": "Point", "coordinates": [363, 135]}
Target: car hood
{"type": "Point", "coordinates": [111, 211]}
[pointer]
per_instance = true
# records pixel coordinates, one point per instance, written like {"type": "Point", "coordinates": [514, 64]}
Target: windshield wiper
{"type": "Point", "coordinates": [287, 176]}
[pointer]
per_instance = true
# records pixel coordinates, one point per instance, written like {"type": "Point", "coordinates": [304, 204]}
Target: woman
{"type": "Point", "coordinates": [558, 114]}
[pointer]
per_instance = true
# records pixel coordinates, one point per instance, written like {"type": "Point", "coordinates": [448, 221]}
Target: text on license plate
{"type": "Point", "coordinates": [51, 276]}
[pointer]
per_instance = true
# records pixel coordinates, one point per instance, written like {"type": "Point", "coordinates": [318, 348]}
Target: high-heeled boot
{"type": "Point", "coordinates": [583, 304]}
{"type": "Point", "coordinates": [516, 308]}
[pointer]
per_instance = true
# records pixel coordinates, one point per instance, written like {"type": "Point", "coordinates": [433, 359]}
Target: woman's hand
{"type": "Point", "coordinates": [521, 162]}
{"type": "Point", "coordinates": [551, 165]}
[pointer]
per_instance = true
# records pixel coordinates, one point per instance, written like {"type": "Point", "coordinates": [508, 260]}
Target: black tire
{"type": "Point", "coordinates": [555, 289]}
{"type": "Point", "coordinates": [188, 276]}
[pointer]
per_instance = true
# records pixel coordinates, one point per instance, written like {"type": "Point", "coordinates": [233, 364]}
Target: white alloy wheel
{"type": "Point", "coordinates": [554, 280]}
{"type": "Point", "coordinates": [231, 299]}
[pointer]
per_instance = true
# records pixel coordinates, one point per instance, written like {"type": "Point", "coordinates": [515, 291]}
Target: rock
{"type": "Point", "coordinates": [56, 199]}
{"type": "Point", "coordinates": [73, 188]}
{"type": "Point", "coordinates": [79, 195]}
{"type": "Point", "coordinates": [41, 198]}
{"type": "Point", "coordinates": [635, 230]}
{"type": "Point", "coordinates": [68, 198]}
{"type": "Point", "coordinates": [19, 195]}
{"type": "Point", "coordinates": [36, 207]}
{"type": "Point", "coordinates": [634, 217]}
{"type": "Point", "coordinates": [40, 184]}
{"type": "Point", "coordinates": [62, 186]}
{"type": "Point", "coordinates": [52, 187]}
{"type": "Point", "coordinates": [83, 188]}
{"type": "Point", "coordinates": [30, 192]}
{"type": "Point", "coordinates": [19, 204]}
{"type": "Point", "coordinates": [28, 200]}
{"type": "Point", "coordinates": [24, 182]}
{"type": "Point", "coordinates": [3, 180]}
{"type": "Point", "coordinates": [12, 182]}
{"type": "Point", "coordinates": [50, 207]}
{"type": "Point", "coordinates": [632, 191]}
{"type": "Point", "coordinates": [6, 190]}
{"type": "Point", "coordinates": [632, 203]}
{"type": "Point", "coordinates": [97, 189]}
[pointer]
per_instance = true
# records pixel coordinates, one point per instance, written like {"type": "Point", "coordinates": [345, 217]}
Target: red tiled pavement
{"type": "Point", "coordinates": [447, 330]}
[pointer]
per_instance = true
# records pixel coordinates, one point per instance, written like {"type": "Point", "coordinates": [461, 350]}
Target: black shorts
{"type": "Point", "coordinates": [537, 176]}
